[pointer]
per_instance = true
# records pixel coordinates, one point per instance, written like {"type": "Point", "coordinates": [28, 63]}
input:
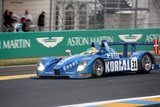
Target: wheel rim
{"type": "Point", "coordinates": [98, 68]}
{"type": "Point", "coordinates": [146, 63]}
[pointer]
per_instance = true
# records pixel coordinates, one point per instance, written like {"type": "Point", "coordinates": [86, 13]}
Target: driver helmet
{"type": "Point", "coordinates": [93, 50]}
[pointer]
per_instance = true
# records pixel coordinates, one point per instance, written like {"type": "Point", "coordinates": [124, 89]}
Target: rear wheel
{"type": "Point", "coordinates": [98, 68]}
{"type": "Point", "coordinates": [146, 63]}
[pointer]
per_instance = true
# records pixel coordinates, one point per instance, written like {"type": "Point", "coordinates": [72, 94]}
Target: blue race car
{"type": "Point", "coordinates": [95, 62]}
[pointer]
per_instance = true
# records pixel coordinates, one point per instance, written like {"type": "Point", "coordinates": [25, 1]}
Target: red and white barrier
{"type": "Point", "coordinates": [155, 46]}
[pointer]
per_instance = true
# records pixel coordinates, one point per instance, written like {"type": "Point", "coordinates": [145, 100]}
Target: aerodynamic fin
{"type": "Point", "coordinates": [104, 45]}
{"type": "Point", "coordinates": [96, 45]}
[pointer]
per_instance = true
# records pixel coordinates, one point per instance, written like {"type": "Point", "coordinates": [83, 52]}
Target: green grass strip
{"type": "Point", "coordinates": [22, 61]}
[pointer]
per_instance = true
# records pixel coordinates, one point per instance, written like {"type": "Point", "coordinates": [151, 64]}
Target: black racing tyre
{"type": "Point", "coordinates": [146, 63]}
{"type": "Point", "coordinates": [98, 68]}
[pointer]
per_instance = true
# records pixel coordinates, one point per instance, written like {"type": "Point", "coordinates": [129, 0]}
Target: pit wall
{"type": "Point", "coordinates": [40, 44]}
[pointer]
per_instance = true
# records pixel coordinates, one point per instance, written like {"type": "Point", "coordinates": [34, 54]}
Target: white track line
{"type": "Point", "coordinates": [109, 101]}
{"type": "Point", "coordinates": [13, 77]}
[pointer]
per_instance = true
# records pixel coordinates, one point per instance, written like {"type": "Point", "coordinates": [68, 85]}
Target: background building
{"type": "Point", "coordinates": [131, 13]}
{"type": "Point", "coordinates": [77, 14]}
{"type": "Point", "coordinates": [88, 14]}
{"type": "Point", "coordinates": [1, 15]}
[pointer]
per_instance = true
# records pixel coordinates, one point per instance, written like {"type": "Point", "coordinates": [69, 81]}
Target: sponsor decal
{"type": "Point", "coordinates": [15, 44]}
{"type": "Point", "coordinates": [122, 65]}
{"type": "Point", "coordinates": [130, 38]}
{"type": "Point", "coordinates": [112, 55]}
{"type": "Point", "coordinates": [50, 42]}
{"type": "Point", "coordinates": [68, 66]}
{"type": "Point", "coordinates": [82, 41]}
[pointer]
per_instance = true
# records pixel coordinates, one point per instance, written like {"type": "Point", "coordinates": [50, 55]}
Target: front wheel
{"type": "Point", "coordinates": [146, 63]}
{"type": "Point", "coordinates": [98, 68]}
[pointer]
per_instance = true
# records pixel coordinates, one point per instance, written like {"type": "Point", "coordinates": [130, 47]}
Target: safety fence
{"type": "Point", "coordinates": [87, 14]}
{"type": "Point", "coordinates": [40, 44]}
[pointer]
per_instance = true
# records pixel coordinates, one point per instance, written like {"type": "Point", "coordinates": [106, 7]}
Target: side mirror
{"type": "Point", "coordinates": [68, 52]}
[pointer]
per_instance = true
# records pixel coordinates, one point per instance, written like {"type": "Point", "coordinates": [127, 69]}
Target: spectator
{"type": "Point", "coordinates": [24, 27]}
{"type": "Point", "coordinates": [27, 16]}
{"type": "Point", "coordinates": [7, 20]}
{"type": "Point", "coordinates": [41, 21]}
{"type": "Point", "coordinates": [11, 19]}
{"type": "Point", "coordinates": [15, 17]}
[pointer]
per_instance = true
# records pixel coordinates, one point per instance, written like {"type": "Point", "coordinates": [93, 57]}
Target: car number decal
{"type": "Point", "coordinates": [134, 64]}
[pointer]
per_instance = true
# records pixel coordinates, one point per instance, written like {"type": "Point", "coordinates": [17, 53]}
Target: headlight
{"type": "Point", "coordinates": [82, 65]}
{"type": "Point", "coordinates": [40, 66]}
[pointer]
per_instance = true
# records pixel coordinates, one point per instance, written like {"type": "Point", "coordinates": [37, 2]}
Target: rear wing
{"type": "Point", "coordinates": [133, 46]}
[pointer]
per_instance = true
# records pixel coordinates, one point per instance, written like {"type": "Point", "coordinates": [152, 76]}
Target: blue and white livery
{"type": "Point", "coordinates": [95, 62]}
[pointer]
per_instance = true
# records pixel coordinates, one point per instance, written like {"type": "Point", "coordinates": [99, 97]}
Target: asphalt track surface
{"type": "Point", "coordinates": [50, 92]}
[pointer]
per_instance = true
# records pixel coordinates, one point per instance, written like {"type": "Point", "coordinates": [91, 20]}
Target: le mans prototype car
{"type": "Point", "coordinates": [95, 62]}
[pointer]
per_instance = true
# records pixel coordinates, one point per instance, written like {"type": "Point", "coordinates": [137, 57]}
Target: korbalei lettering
{"type": "Point", "coordinates": [115, 66]}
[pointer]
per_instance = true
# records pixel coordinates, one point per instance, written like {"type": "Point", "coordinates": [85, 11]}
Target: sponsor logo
{"type": "Point", "coordinates": [112, 55]}
{"type": "Point", "coordinates": [50, 42]}
{"type": "Point", "coordinates": [15, 44]}
{"type": "Point", "coordinates": [82, 41]}
{"type": "Point", "coordinates": [130, 38]}
{"type": "Point", "coordinates": [122, 65]}
{"type": "Point", "coordinates": [151, 37]}
{"type": "Point", "coordinates": [68, 66]}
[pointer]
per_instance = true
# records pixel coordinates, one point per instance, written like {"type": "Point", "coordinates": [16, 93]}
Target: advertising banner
{"type": "Point", "coordinates": [40, 44]}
